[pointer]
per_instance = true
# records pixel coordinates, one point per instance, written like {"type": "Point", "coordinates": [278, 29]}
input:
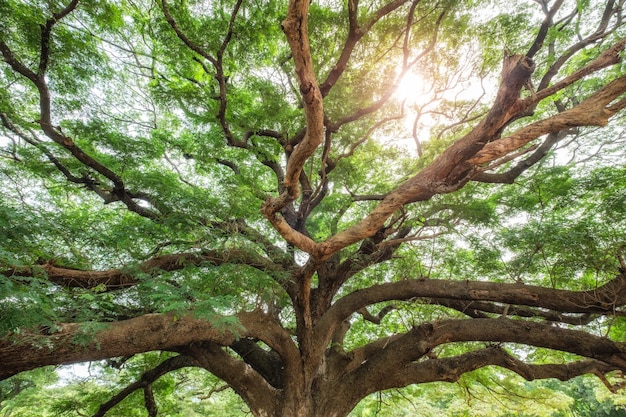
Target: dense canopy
{"type": "Point", "coordinates": [311, 201]}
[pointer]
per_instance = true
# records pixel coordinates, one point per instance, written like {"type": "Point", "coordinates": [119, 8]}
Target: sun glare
{"type": "Point", "coordinates": [411, 88]}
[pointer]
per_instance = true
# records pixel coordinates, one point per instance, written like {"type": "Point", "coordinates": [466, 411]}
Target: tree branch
{"type": "Point", "coordinates": [295, 27]}
{"type": "Point", "coordinates": [479, 309]}
{"type": "Point", "coordinates": [603, 300]}
{"type": "Point", "coordinates": [114, 279]}
{"type": "Point", "coordinates": [450, 369]}
{"type": "Point", "coordinates": [401, 352]}
{"type": "Point", "coordinates": [146, 379]}
{"type": "Point", "coordinates": [249, 384]}
{"type": "Point", "coordinates": [30, 349]}
{"type": "Point", "coordinates": [593, 111]}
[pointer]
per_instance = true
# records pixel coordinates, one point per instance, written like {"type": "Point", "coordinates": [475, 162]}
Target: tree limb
{"type": "Point", "coordinates": [146, 379]}
{"type": "Point", "coordinates": [114, 279]}
{"type": "Point", "coordinates": [602, 300]}
{"type": "Point", "coordinates": [450, 369]}
{"type": "Point", "coordinates": [30, 349]}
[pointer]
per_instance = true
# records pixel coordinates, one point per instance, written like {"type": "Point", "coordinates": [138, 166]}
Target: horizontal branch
{"type": "Point", "coordinates": [602, 300]}
{"type": "Point", "coordinates": [402, 352]}
{"type": "Point", "coordinates": [113, 279]}
{"type": "Point", "coordinates": [482, 309]}
{"type": "Point", "coordinates": [451, 369]}
{"type": "Point", "coordinates": [30, 350]}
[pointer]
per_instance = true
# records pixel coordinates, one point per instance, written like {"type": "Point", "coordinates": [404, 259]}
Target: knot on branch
{"type": "Point", "coordinates": [516, 70]}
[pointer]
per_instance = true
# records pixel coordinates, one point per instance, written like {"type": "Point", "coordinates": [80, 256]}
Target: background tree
{"type": "Point", "coordinates": [201, 180]}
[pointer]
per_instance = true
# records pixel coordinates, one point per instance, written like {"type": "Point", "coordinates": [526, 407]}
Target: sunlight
{"type": "Point", "coordinates": [411, 88]}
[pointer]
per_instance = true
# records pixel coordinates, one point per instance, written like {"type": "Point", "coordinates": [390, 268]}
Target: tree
{"type": "Point", "coordinates": [218, 180]}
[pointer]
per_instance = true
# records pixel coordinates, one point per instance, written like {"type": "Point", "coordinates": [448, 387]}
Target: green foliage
{"type": "Point", "coordinates": [204, 153]}
{"type": "Point", "coordinates": [78, 390]}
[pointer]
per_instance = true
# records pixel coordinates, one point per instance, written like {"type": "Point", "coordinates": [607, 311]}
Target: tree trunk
{"type": "Point", "coordinates": [334, 404]}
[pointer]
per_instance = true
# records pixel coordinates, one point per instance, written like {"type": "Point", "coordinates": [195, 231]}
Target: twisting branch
{"type": "Point", "coordinates": [217, 61]}
{"type": "Point", "coordinates": [608, 58]}
{"type": "Point", "coordinates": [295, 27]}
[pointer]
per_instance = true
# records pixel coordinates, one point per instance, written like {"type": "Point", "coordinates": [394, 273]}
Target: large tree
{"type": "Point", "coordinates": [225, 180]}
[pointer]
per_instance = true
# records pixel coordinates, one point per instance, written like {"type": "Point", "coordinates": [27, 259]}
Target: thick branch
{"type": "Point", "coordinates": [295, 27]}
{"type": "Point", "coordinates": [266, 363]}
{"type": "Point", "coordinates": [593, 111]}
{"type": "Point", "coordinates": [250, 385]}
{"type": "Point", "coordinates": [30, 350]}
{"type": "Point", "coordinates": [602, 300]}
{"type": "Point", "coordinates": [451, 369]}
{"type": "Point", "coordinates": [400, 352]}
{"type": "Point", "coordinates": [448, 172]}
{"type": "Point", "coordinates": [113, 279]}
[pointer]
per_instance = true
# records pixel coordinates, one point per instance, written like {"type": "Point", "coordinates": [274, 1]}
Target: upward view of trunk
{"type": "Point", "coordinates": [213, 184]}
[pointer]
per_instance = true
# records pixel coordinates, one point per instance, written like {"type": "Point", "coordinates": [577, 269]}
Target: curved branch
{"type": "Point", "coordinates": [146, 379]}
{"type": "Point", "coordinates": [30, 350]}
{"type": "Point", "coordinates": [402, 351]}
{"type": "Point", "coordinates": [602, 300]}
{"type": "Point", "coordinates": [250, 385]}
{"type": "Point", "coordinates": [267, 363]}
{"type": "Point", "coordinates": [295, 27]}
{"type": "Point", "coordinates": [451, 369]}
